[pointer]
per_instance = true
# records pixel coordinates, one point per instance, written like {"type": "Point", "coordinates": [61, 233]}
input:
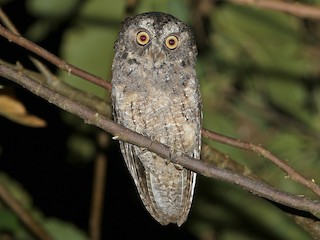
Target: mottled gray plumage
{"type": "Point", "coordinates": [155, 92]}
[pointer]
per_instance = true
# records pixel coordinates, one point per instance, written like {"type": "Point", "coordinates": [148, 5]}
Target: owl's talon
{"type": "Point", "coordinates": [178, 167]}
{"type": "Point", "coordinates": [115, 137]}
{"type": "Point", "coordinates": [173, 155]}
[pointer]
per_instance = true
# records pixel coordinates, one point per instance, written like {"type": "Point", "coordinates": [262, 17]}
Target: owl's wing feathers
{"type": "Point", "coordinates": [137, 172]}
{"type": "Point", "coordinates": [147, 183]}
{"type": "Point", "coordinates": [165, 189]}
{"type": "Point", "coordinates": [134, 164]}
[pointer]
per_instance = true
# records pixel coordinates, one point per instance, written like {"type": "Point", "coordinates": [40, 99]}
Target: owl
{"type": "Point", "coordinates": [155, 92]}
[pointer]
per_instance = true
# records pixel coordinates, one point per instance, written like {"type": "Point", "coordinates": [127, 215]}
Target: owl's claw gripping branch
{"type": "Point", "coordinates": [115, 138]}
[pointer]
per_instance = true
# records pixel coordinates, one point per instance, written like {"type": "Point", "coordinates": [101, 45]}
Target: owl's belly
{"type": "Point", "coordinates": [163, 119]}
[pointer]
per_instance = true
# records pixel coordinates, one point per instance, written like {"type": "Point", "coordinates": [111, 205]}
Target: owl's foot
{"type": "Point", "coordinates": [172, 156]}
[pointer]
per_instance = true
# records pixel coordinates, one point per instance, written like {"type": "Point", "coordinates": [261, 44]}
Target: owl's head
{"type": "Point", "coordinates": [156, 36]}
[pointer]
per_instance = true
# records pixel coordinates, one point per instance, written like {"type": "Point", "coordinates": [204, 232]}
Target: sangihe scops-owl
{"type": "Point", "coordinates": [155, 92]}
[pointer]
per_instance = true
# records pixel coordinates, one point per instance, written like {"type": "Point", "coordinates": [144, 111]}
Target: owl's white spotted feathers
{"type": "Point", "coordinates": [155, 92]}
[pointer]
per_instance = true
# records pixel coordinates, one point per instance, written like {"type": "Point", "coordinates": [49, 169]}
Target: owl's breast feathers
{"type": "Point", "coordinates": [159, 104]}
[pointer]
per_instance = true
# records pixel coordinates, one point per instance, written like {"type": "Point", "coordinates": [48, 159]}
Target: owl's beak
{"type": "Point", "coordinates": [157, 54]}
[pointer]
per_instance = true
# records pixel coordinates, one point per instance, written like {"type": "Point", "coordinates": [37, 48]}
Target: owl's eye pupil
{"type": "Point", "coordinates": [172, 42]}
{"type": "Point", "coordinates": [143, 38]}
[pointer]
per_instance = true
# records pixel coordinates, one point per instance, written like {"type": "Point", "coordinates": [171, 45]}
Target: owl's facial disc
{"type": "Point", "coordinates": [150, 45]}
{"type": "Point", "coordinates": [157, 49]}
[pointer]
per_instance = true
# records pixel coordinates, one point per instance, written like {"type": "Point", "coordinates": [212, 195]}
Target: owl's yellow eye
{"type": "Point", "coordinates": [143, 38]}
{"type": "Point", "coordinates": [172, 42]}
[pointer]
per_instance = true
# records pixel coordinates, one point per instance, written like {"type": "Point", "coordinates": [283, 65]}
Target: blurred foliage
{"type": "Point", "coordinates": [10, 223]}
{"type": "Point", "coordinates": [259, 78]}
{"type": "Point", "coordinates": [14, 110]}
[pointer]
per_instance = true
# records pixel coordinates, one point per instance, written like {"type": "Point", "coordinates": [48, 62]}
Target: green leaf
{"type": "Point", "coordinates": [266, 38]}
{"type": "Point", "coordinates": [81, 147]}
{"type": "Point", "coordinates": [89, 45]}
{"type": "Point", "coordinates": [103, 10]}
{"type": "Point", "coordinates": [61, 230]}
{"type": "Point", "coordinates": [90, 48]}
{"type": "Point", "coordinates": [50, 8]}
{"type": "Point", "coordinates": [16, 190]}
{"type": "Point", "coordinates": [8, 220]}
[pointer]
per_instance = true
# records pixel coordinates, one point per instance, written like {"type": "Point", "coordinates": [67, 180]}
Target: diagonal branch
{"type": "Point", "coordinates": [24, 215]}
{"type": "Point", "coordinates": [23, 42]}
{"type": "Point", "coordinates": [294, 8]}
{"type": "Point", "coordinates": [124, 134]}
{"type": "Point", "coordinates": [92, 78]}
{"type": "Point", "coordinates": [294, 175]}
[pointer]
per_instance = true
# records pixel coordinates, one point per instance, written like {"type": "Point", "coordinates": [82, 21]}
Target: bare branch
{"type": "Point", "coordinates": [294, 8]}
{"type": "Point", "coordinates": [7, 22]}
{"type": "Point", "coordinates": [24, 215]}
{"type": "Point", "coordinates": [237, 143]}
{"type": "Point", "coordinates": [97, 104]}
{"type": "Point", "coordinates": [294, 175]}
{"type": "Point", "coordinates": [23, 42]}
{"type": "Point", "coordinates": [98, 188]}
{"type": "Point", "coordinates": [97, 196]}
{"type": "Point", "coordinates": [124, 134]}
{"type": "Point", "coordinates": [209, 154]}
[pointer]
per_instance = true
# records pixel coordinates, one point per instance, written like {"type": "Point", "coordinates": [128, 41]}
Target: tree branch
{"type": "Point", "coordinates": [98, 187]}
{"type": "Point", "coordinates": [237, 143]}
{"type": "Point", "coordinates": [124, 134]}
{"type": "Point", "coordinates": [98, 191]}
{"type": "Point", "coordinates": [24, 216]}
{"type": "Point", "coordinates": [294, 175]}
{"type": "Point", "coordinates": [211, 155]}
{"type": "Point", "coordinates": [23, 42]}
{"type": "Point", "coordinates": [294, 8]}
{"type": "Point", "coordinates": [96, 103]}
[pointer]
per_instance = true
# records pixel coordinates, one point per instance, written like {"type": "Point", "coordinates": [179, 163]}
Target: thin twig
{"type": "Point", "coordinates": [125, 134]}
{"type": "Point", "coordinates": [209, 154]}
{"type": "Point", "coordinates": [24, 215]}
{"type": "Point", "coordinates": [266, 154]}
{"type": "Point", "coordinates": [94, 102]}
{"type": "Point", "coordinates": [23, 42]}
{"type": "Point", "coordinates": [99, 177]}
{"type": "Point", "coordinates": [5, 195]}
{"type": "Point", "coordinates": [7, 22]}
{"type": "Point", "coordinates": [294, 8]}
{"type": "Point", "coordinates": [98, 187]}
{"type": "Point", "coordinates": [40, 66]}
